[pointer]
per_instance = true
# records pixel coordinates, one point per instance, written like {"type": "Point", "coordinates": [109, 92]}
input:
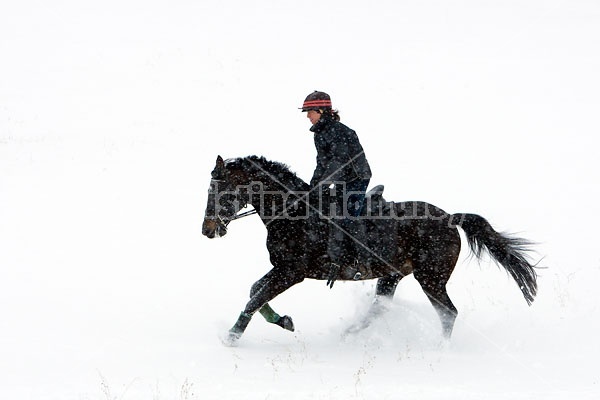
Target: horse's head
{"type": "Point", "coordinates": [270, 187]}
{"type": "Point", "coordinates": [224, 202]}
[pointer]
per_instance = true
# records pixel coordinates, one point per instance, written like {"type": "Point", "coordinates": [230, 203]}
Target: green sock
{"type": "Point", "coordinates": [269, 314]}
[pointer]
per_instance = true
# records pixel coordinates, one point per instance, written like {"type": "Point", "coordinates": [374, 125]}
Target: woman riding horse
{"type": "Point", "coordinates": [341, 162]}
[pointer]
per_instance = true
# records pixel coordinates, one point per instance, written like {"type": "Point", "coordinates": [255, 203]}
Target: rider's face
{"type": "Point", "coordinates": [313, 115]}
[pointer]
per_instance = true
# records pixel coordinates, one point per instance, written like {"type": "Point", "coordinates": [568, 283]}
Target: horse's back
{"type": "Point", "coordinates": [419, 210]}
{"type": "Point", "coordinates": [425, 228]}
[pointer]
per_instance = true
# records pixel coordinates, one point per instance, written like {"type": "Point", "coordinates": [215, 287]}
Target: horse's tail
{"type": "Point", "coordinates": [510, 252]}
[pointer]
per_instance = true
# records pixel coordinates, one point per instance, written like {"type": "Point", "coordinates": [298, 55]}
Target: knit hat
{"type": "Point", "coordinates": [317, 101]}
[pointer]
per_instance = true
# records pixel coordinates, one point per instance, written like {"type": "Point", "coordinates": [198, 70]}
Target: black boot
{"type": "Point", "coordinates": [334, 271]}
{"type": "Point", "coordinates": [359, 250]}
{"type": "Point", "coordinates": [335, 250]}
{"type": "Point", "coordinates": [358, 229]}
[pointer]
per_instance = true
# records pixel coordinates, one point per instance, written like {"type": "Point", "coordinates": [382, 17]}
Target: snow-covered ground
{"type": "Point", "coordinates": [112, 114]}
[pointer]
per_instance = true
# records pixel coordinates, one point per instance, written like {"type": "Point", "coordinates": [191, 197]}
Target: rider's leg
{"type": "Point", "coordinates": [346, 233]}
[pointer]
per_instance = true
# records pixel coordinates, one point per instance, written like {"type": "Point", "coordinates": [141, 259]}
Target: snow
{"type": "Point", "coordinates": [111, 118]}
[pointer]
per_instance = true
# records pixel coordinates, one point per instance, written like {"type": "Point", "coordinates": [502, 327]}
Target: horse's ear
{"type": "Point", "coordinates": [220, 162]}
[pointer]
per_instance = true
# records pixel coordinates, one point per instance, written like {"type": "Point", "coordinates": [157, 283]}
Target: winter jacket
{"type": "Point", "coordinates": [340, 157]}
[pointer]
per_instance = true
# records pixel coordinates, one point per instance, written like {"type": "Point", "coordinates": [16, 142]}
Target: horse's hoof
{"type": "Point", "coordinates": [353, 329]}
{"type": "Point", "coordinates": [230, 339]}
{"type": "Point", "coordinates": [357, 327]}
{"type": "Point", "coordinates": [286, 323]}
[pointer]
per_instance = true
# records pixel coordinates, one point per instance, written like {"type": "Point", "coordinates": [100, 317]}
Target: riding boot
{"type": "Point", "coordinates": [359, 247]}
{"type": "Point", "coordinates": [358, 229]}
{"type": "Point", "coordinates": [335, 249]}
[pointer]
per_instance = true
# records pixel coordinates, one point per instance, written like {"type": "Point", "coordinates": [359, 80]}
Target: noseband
{"type": "Point", "coordinates": [224, 221]}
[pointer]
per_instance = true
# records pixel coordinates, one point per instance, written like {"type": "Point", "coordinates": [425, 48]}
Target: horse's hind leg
{"type": "Point", "coordinates": [444, 308]}
{"type": "Point", "coordinates": [437, 259]}
{"type": "Point", "coordinates": [386, 286]}
{"type": "Point", "coordinates": [434, 287]}
{"type": "Point", "coordinates": [384, 292]}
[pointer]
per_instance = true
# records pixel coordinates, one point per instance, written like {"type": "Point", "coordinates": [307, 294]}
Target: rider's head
{"type": "Point", "coordinates": [317, 104]}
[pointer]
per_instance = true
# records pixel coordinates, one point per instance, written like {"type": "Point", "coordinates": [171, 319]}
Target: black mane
{"type": "Point", "coordinates": [256, 167]}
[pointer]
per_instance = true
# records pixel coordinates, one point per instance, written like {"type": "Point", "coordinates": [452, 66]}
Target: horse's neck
{"type": "Point", "coordinates": [272, 201]}
{"type": "Point", "coordinates": [264, 189]}
{"type": "Point", "coordinates": [257, 190]}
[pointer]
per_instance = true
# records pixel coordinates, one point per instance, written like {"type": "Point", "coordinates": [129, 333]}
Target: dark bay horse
{"type": "Point", "coordinates": [402, 238]}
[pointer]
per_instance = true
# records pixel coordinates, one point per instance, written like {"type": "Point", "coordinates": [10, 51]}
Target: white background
{"type": "Point", "coordinates": [111, 117]}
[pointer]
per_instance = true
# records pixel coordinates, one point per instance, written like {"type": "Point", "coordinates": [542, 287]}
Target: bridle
{"type": "Point", "coordinates": [224, 221]}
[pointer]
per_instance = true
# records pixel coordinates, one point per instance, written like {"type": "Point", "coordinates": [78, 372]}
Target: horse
{"type": "Point", "coordinates": [402, 238]}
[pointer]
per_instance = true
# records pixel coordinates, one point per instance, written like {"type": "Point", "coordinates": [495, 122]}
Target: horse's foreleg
{"type": "Point", "coordinates": [271, 316]}
{"type": "Point", "coordinates": [266, 289]}
{"type": "Point", "coordinates": [266, 311]}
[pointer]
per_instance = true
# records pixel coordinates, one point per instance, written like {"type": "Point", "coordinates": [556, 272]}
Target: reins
{"type": "Point", "coordinates": [244, 214]}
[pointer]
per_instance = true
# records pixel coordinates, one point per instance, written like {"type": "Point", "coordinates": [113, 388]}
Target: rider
{"type": "Point", "coordinates": [341, 161]}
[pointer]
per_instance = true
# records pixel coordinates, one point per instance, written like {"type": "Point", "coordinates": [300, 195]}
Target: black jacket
{"type": "Point", "coordinates": [340, 157]}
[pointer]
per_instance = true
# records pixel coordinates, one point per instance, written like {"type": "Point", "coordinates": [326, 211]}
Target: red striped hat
{"type": "Point", "coordinates": [317, 101]}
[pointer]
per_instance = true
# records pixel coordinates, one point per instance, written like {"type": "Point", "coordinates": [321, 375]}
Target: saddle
{"type": "Point", "coordinates": [375, 205]}
{"type": "Point", "coordinates": [376, 191]}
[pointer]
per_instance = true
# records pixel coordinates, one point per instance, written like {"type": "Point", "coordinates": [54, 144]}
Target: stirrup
{"type": "Point", "coordinates": [358, 274]}
{"type": "Point", "coordinates": [363, 271]}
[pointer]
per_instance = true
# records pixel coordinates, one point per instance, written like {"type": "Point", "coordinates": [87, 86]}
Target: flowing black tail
{"type": "Point", "coordinates": [507, 251]}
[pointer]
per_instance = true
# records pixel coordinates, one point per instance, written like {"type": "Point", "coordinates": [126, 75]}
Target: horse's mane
{"type": "Point", "coordinates": [278, 172]}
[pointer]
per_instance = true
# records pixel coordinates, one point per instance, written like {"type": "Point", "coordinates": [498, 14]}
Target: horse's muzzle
{"type": "Point", "coordinates": [211, 228]}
